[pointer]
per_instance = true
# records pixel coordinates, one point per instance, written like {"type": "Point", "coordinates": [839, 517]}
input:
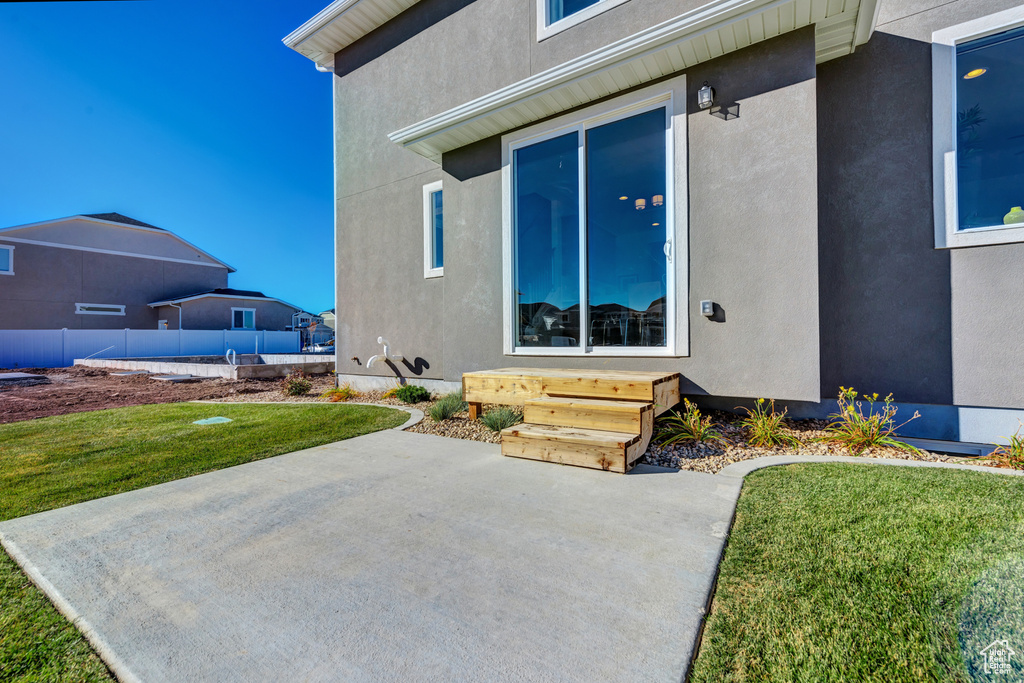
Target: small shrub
{"type": "Point", "coordinates": [764, 425]}
{"type": "Point", "coordinates": [859, 430]}
{"type": "Point", "coordinates": [296, 384]}
{"type": "Point", "coordinates": [412, 393]}
{"type": "Point", "coordinates": [447, 406]}
{"type": "Point", "coordinates": [501, 418]}
{"type": "Point", "coordinates": [1011, 454]}
{"type": "Point", "coordinates": [343, 393]}
{"type": "Point", "coordinates": [689, 426]}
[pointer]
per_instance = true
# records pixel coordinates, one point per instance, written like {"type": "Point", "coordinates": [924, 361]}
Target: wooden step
{"type": "Point", "coordinates": [597, 449]}
{"type": "Point", "coordinates": [514, 386]}
{"type": "Point", "coordinates": [627, 417]}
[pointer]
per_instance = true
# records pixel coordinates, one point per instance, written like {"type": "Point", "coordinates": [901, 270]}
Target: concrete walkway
{"type": "Point", "coordinates": [389, 557]}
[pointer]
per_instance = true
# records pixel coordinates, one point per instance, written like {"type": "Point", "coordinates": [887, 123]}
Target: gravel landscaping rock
{"type": "Point", "coordinates": [709, 458]}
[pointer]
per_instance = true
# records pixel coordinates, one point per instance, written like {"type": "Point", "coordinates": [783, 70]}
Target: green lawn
{"type": "Point", "coordinates": [837, 572]}
{"type": "Point", "coordinates": [58, 461]}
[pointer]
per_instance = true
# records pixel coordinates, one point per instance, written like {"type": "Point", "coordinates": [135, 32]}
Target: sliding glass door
{"type": "Point", "coordinates": [591, 237]}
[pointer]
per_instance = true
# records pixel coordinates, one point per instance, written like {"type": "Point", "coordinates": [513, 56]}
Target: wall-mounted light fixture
{"type": "Point", "coordinates": [641, 204]}
{"type": "Point", "coordinates": [705, 96]}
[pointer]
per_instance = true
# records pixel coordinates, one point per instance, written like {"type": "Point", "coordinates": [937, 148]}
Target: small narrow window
{"type": "Point", "coordinates": [433, 230]}
{"type": "Point", "coordinates": [6, 260]}
{"type": "Point", "coordinates": [243, 318]}
{"type": "Point", "coordinates": [99, 309]}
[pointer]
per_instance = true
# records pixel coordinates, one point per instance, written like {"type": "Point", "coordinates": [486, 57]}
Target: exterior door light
{"type": "Point", "coordinates": [705, 96]}
{"type": "Point", "coordinates": [641, 204]}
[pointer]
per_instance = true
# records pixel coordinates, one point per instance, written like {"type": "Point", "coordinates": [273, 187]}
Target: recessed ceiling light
{"type": "Point", "coordinates": [655, 224]}
{"type": "Point", "coordinates": [623, 198]}
{"type": "Point", "coordinates": [974, 73]}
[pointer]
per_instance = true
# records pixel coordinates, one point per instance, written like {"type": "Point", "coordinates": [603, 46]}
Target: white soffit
{"type": "Point", "coordinates": [340, 24]}
{"type": "Point", "coordinates": [703, 34]}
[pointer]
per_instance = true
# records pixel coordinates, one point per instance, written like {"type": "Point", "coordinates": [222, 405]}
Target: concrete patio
{"type": "Point", "coordinates": [392, 556]}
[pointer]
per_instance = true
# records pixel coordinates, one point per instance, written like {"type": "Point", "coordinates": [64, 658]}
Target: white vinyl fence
{"type": "Point", "coordinates": [60, 348]}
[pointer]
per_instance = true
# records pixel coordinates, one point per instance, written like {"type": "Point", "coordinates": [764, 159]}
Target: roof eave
{"type": "Point", "coordinates": [837, 33]}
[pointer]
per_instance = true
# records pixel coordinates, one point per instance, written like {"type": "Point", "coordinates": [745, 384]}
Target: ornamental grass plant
{"type": "Point", "coordinates": [447, 406]}
{"type": "Point", "coordinates": [859, 429]}
{"type": "Point", "coordinates": [765, 427]}
{"type": "Point", "coordinates": [688, 426]}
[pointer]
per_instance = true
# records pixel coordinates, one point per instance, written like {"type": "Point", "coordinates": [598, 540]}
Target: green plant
{"type": "Point", "coordinates": [447, 406]}
{"type": "Point", "coordinates": [1011, 454]}
{"type": "Point", "coordinates": [859, 430]}
{"type": "Point", "coordinates": [296, 384]}
{"type": "Point", "coordinates": [343, 393]}
{"type": "Point", "coordinates": [688, 426]}
{"type": "Point", "coordinates": [501, 418]}
{"type": "Point", "coordinates": [412, 393]}
{"type": "Point", "coordinates": [765, 426]}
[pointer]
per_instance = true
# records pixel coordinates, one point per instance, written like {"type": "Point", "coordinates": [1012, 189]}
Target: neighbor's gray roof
{"type": "Point", "coordinates": [115, 217]}
{"type": "Point", "coordinates": [222, 293]}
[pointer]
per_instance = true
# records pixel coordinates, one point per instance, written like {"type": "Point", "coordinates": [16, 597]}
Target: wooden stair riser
{"type": "Point", "coordinates": [608, 458]}
{"type": "Point", "coordinates": [635, 418]}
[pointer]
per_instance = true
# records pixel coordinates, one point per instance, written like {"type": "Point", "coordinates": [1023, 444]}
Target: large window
{"type": "Point", "coordinates": [6, 260]}
{"type": "Point", "coordinates": [990, 130]}
{"type": "Point", "coordinates": [591, 223]}
{"type": "Point", "coordinates": [979, 121]}
{"type": "Point", "coordinates": [433, 230]}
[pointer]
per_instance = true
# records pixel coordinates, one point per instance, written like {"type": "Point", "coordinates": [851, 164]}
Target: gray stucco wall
{"type": "Point", "coordinates": [214, 313]}
{"type": "Point", "coordinates": [752, 192]}
{"type": "Point", "coordinates": [49, 281]}
{"type": "Point", "coordinates": [931, 325]}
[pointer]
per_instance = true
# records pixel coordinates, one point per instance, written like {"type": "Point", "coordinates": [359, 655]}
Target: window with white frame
{"type": "Point", "coordinates": [243, 318]}
{"type": "Point", "coordinates": [433, 230]}
{"type": "Point", "coordinates": [99, 309]}
{"type": "Point", "coordinates": [979, 131]}
{"type": "Point", "coordinates": [591, 227]}
{"type": "Point", "coordinates": [554, 16]}
{"type": "Point", "coordinates": [6, 260]}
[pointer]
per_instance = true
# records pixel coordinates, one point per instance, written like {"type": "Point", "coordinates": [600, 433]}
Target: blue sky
{"type": "Point", "coordinates": [192, 116]}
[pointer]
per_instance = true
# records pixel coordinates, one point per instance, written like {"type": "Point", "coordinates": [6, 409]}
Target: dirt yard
{"type": "Point", "coordinates": [77, 389]}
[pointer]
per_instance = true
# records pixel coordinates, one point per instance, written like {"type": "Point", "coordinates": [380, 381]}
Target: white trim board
{"type": "Point", "coordinates": [115, 224]}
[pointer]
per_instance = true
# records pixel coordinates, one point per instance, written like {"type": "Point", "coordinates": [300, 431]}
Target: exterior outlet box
{"type": "Point", "coordinates": [707, 308]}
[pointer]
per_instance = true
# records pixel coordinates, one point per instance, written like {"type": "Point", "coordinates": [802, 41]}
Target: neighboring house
{"type": "Point", "coordinates": [97, 271]}
{"type": "Point", "coordinates": [328, 318]}
{"type": "Point", "coordinates": [305, 319]}
{"type": "Point", "coordinates": [224, 309]}
{"type": "Point", "coordinates": [773, 198]}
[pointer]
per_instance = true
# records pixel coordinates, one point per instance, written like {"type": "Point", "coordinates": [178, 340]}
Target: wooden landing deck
{"type": "Point", "coordinates": [514, 386]}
